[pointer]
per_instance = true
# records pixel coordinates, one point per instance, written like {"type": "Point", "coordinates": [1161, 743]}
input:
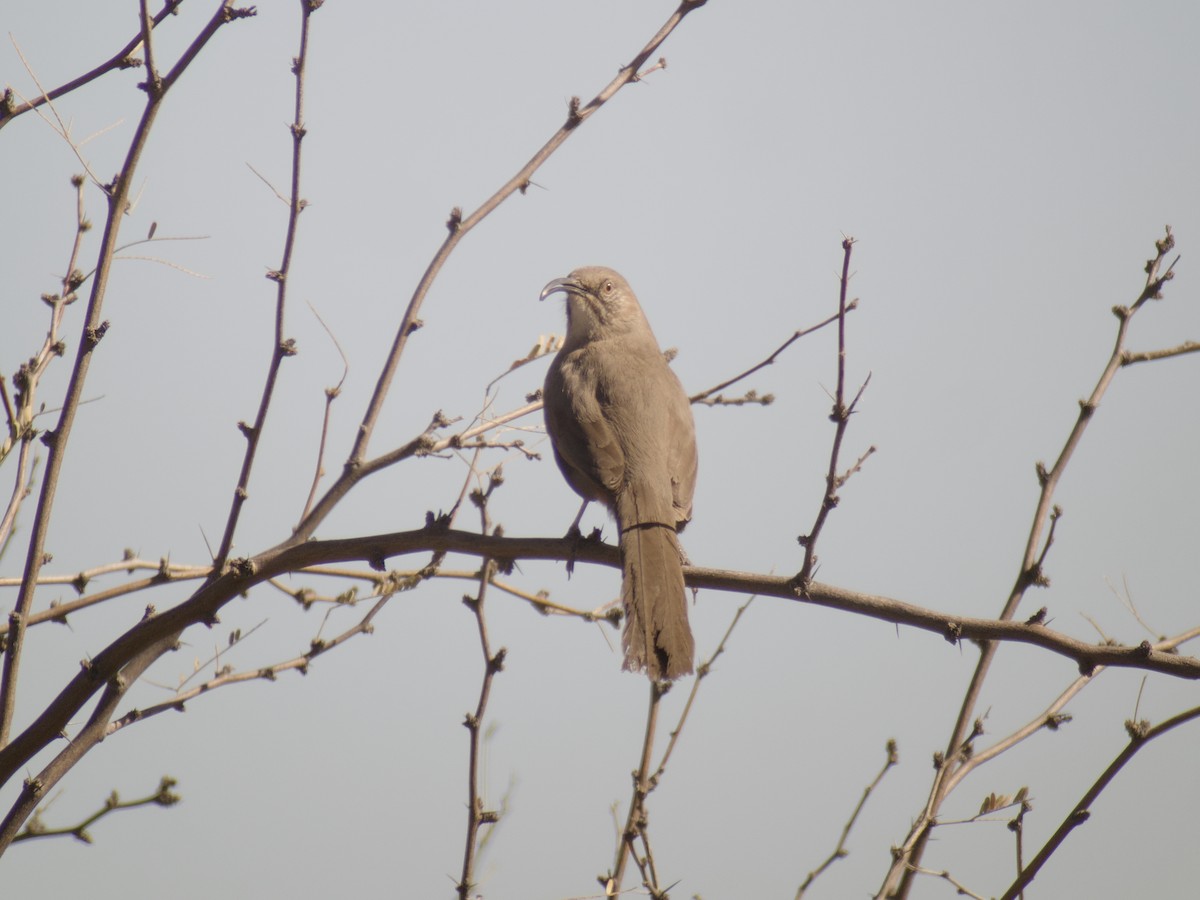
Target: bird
{"type": "Point", "coordinates": [621, 427]}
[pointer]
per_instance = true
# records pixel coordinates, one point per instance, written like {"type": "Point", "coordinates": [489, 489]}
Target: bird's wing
{"type": "Point", "coordinates": [585, 443]}
{"type": "Point", "coordinates": [684, 460]}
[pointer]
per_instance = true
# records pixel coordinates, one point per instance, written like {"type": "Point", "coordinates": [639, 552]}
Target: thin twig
{"type": "Point", "coordinates": [959, 888]}
{"type": "Point", "coordinates": [331, 394]}
{"type": "Point", "coordinates": [493, 663]}
{"type": "Point", "coordinates": [703, 396]}
{"type": "Point", "coordinates": [841, 418]}
{"type": "Point", "coordinates": [301, 663]}
{"type": "Point", "coordinates": [702, 672]}
{"type": "Point", "coordinates": [164, 796]}
{"type": "Point", "coordinates": [1128, 358]}
{"type": "Point", "coordinates": [282, 347]}
{"type": "Point", "coordinates": [21, 490]}
{"type": "Point", "coordinates": [635, 822]}
{"type": "Point", "coordinates": [21, 415]}
{"type": "Point", "coordinates": [61, 128]}
{"type": "Point", "coordinates": [840, 851]}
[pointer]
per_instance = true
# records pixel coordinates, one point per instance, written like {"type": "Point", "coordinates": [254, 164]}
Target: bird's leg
{"type": "Point", "coordinates": [575, 536]}
{"type": "Point", "coordinates": [683, 558]}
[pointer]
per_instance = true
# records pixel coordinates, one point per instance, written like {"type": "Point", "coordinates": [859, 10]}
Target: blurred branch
{"type": "Point", "coordinates": [1128, 358]}
{"type": "Point", "coordinates": [22, 407]}
{"type": "Point", "coordinates": [331, 394]}
{"type": "Point", "coordinates": [944, 875]}
{"type": "Point", "coordinates": [164, 796]}
{"type": "Point", "coordinates": [22, 488]}
{"type": "Point", "coordinates": [750, 398]}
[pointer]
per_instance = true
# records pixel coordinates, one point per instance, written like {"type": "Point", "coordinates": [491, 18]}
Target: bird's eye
{"type": "Point", "coordinates": [608, 287]}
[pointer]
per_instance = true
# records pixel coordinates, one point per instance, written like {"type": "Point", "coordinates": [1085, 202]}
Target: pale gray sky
{"type": "Point", "coordinates": [1005, 171]}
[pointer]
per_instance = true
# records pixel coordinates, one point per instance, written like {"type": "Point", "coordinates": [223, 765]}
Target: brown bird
{"type": "Point", "coordinates": [622, 431]}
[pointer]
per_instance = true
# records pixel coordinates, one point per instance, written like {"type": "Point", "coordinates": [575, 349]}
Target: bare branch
{"type": "Point", "coordinates": [1128, 358]}
{"type": "Point", "coordinates": [898, 881]}
{"type": "Point", "coordinates": [703, 396]}
{"type": "Point", "coordinates": [122, 59]}
{"type": "Point", "coordinates": [93, 332]}
{"type": "Point", "coordinates": [1139, 737]}
{"type": "Point", "coordinates": [840, 851]}
{"type": "Point", "coordinates": [635, 822]}
{"type": "Point", "coordinates": [331, 394]}
{"type": "Point", "coordinates": [164, 796]}
{"type": "Point", "coordinates": [357, 465]}
{"type": "Point", "coordinates": [493, 663]}
{"type": "Point", "coordinates": [840, 416]}
{"type": "Point", "coordinates": [282, 347]}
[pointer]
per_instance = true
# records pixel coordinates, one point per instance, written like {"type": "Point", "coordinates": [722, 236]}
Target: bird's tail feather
{"type": "Point", "coordinates": [657, 637]}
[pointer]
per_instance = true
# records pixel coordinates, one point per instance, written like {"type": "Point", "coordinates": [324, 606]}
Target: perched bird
{"type": "Point", "coordinates": [622, 431]}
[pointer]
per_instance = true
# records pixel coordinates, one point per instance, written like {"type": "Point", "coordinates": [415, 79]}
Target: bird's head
{"type": "Point", "coordinates": [600, 304]}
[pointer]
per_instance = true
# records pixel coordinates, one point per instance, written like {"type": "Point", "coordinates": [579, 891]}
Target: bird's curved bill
{"type": "Point", "coordinates": [566, 285]}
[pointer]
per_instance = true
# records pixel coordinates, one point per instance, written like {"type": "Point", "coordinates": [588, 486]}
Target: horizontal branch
{"type": "Point", "coordinates": [243, 574]}
{"type": "Point", "coordinates": [1129, 357]}
{"type": "Point", "coordinates": [36, 828]}
{"type": "Point", "coordinates": [378, 548]}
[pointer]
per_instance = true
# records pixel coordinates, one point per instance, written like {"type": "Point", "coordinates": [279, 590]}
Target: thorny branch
{"type": "Point", "coordinates": [227, 676]}
{"type": "Point", "coordinates": [493, 663]}
{"type": "Point", "coordinates": [637, 821]}
{"type": "Point", "coordinates": [358, 466]}
{"type": "Point", "coordinates": [1140, 734]}
{"type": "Point", "coordinates": [93, 331]}
{"type": "Point", "coordinates": [840, 416]}
{"type": "Point", "coordinates": [123, 662]}
{"type": "Point", "coordinates": [840, 851]}
{"type": "Point", "coordinates": [898, 881]}
{"type": "Point", "coordinates": [282, 347]}
{"type": "Point", "coordinates": [704, 396]}
{"type": "Point", "coordinates": [636, 826]}
{"type": "Point", "coordinates": [21, 409]}
{"type": "Point", "coordinates": [375, 549]}
{"type": "Point", "coordinates": [122, 59]}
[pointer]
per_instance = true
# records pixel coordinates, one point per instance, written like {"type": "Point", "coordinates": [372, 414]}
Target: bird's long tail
{"type": "Point", "coordinates": [657, 637]}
